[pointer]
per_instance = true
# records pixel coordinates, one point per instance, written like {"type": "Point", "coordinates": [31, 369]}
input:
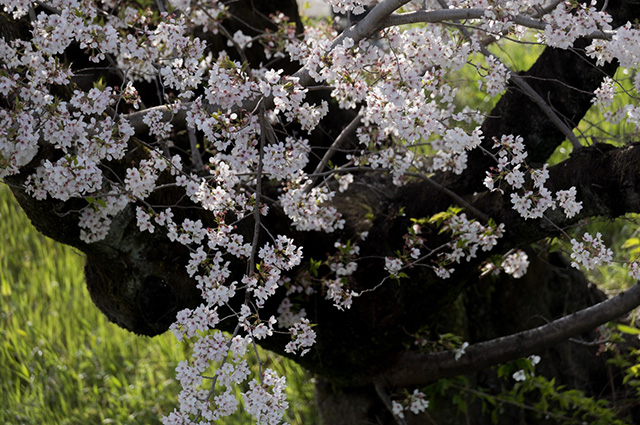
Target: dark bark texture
{"type": "Point", "coordinates": [139, 282]}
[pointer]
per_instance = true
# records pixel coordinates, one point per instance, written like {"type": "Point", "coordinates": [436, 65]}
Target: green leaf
{"type": "Point", "coordinates": [95, 201]}
{"type": "Point", "coordinates": [628, 329]}
{"type": "Point", "coordinates": [314, 266]}
{"type": "Point", "coordinates": [631, 242]}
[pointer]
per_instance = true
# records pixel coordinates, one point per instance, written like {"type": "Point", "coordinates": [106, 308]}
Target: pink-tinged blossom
{"type": "Point", "coordinates": [176, 418]}
{"type": "Point", "coordinates": [95, 219]}
{"type": "Point", "coordinates": [417, 402]}
{"type": "Point", "coordinates": [515, 177]}
{"type": "Point", "coordinates": [302, 337]}
{"type": "Point", "coordinates": [140, 182]}
{"type": "Point", "coordinates": [392, 265]}
{"type": "Point", "coordinates": [569, 20]}
{"type": "Point", "coordinates": [566, 199]}
{"type": "Point", "coordinates": [68, 177]}
{"type": "Point", "coordinates": [540, 176]}
{"type": "Point", "coordinates": [213, 290]}
{"type": "Point", "coordinates": [453, 147]}
{"type": "Point", "coordinates": [341, 297]}
{"type": "Point", "coordinates": [532, 204]}
{"type": "Point", "coordinates": [344, 181]}
{"type": "Point", "coordinates": [228, 85]}
{"type": "Point", "coordinates": [286, 316]}
{"type": "Point", "coordinates": [285, 160]}
{"type": "Point", "coordinates": [8, 84]}
{"type": "Point", "coordinates": [94, 101]}
{"type": "Point", "coordinates": [197, 258]}
{"type": "Point", "coordinates": [143, 220]}
{"type": "Point", "coordinates": [443, 272]}
{"type": "Point", "coordinates": [590, 252]}
{"type": "Point", "coordinates": [398, 409]}
{"type": "Point", "coordinates": [353, 6]}
{"type": "Point", "coordinates": [224, 405]}
{"type": "Point", "coordinates": [605, 93]}
{"type": "Point", "coordinates": [266, 400]}
{"type": "Point", "coordinates": [18, 141]}
{"type": "Point", "coordinates": [240, 39]}
{"type": "Point", "coordinates": [515, 264]}
{"type": "Point", "coordinates": [157, 126]}
{"type": "Point", "coordinates": [308, 209]}
{"type": "Point", "coordinates": [633, 115]}
{"type": "Point", "coordinates": [189, 322]}
{"type": "Point", "coordinates": [467, 236]}
{"type": "Point", "coordinates": [497, 77]}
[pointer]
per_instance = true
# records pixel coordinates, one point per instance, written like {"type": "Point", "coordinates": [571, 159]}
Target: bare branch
{"type": "Point", "coordinates": [420, 368]}
{"type": "Point", "coordinates": [546, 108]}
{"type": "Point", "coordinates": [337, 144]}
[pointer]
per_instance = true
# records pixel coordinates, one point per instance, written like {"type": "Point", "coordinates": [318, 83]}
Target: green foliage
{"type": "Point", "coordinates": [443, 216]}
{"type": "Point", "coordinates": [64, 363]}
{"type": "Point", "coordinates": [533, 396]}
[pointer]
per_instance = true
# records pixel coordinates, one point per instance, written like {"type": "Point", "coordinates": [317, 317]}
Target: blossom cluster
{"type": "Point", "coordinates": [467, 236]}
{"type": "Point", "coordinates": [571, 20]}
{"type": "Point", "coordinates": [590, 252]}
{"type": "Point", "coordinates": [414, 403]}
{"type": "Point", "coordinates": [516, 264]}
{"type": "Point", "coordinates": [512, 169]}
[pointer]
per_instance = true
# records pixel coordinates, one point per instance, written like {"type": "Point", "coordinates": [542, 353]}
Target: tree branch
{"type": "Point", "coordinates": [442, 15]}
{"type": "Point", "coordinates": [338, 143]}
{"type": "Point", "coordinates": [420, 368]}
{"type": "Point", "coordinates": [363, 29]}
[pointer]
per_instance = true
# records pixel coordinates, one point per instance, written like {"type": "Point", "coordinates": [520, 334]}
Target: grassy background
{"type": "Point", "coordinates": [62, 362]}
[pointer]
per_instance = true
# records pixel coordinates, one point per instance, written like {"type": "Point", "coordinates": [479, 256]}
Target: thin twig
{"type": "Point", "coordinates": [548, 111]}
{"type": "Point", "coordinates": [258, 192]}
{"type": "Point", "coordinates": [337, 144]}
{"type": "Point", "coordinates": [453, 196]}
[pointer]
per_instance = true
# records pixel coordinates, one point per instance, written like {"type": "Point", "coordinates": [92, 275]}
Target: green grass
{"type": "Point", "coordinates": [62, 362]}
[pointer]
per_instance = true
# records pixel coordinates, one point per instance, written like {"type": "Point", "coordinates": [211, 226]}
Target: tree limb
{"type": "Point", "coordinates": [443, 15]}
{"type": "Point", "coordinates": [363, 29]}
{"type": "Point", "coordinates": [421, 368]}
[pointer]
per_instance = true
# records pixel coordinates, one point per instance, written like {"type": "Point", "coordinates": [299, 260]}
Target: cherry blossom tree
{"type": "Point", "coordinates": [335, 190]}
